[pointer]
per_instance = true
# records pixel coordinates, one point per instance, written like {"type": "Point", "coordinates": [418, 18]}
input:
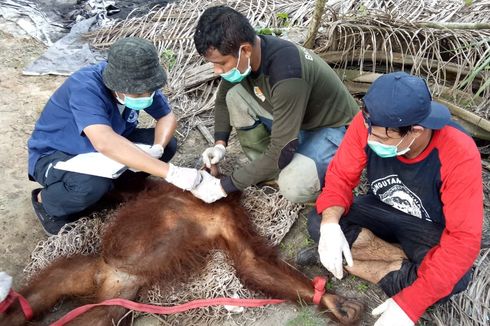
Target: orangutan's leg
{"type": "Point", "coordinates": [72, 276]}
{"type": "Point", "coordinates": [112, 284]}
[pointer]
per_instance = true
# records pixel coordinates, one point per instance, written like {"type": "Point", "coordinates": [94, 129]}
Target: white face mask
{"type": "Point", "coordinates": [120, 100]}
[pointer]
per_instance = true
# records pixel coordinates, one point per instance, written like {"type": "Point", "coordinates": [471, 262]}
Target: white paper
{"type": "Point", "coordinates": [95, 163]}
{"type": "Point", "coordinates": [5, 285]}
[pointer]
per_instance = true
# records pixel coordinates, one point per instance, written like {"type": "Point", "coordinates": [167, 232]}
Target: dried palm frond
{"type": "Point", "coordinates": [171, 29]}
{"type": "Point", "coordinates": [471, 307]}
{"type": "Point", "coordinates": [383, 35]}
{"type": "Point", "coordinates": [445, 40]}
{"type": "Point", "coordinates": [428, 11]}
{"type": "Point", "coordinates": [380, 41]}
{"type": "Point", "coordinates": [81, 237]}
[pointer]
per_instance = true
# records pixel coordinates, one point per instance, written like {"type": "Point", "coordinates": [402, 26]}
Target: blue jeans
{"type": "Point", "coordinates": [320, 145]}
{"type": "Point", "coordinates": [303, 178]}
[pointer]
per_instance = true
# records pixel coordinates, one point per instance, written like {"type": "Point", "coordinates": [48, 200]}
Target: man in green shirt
{"type": "Point", "coordinates": [287, 105]}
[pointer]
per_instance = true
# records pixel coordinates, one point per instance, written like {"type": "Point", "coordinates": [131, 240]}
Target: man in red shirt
{"type": "Point", "coordinates": [418, 230]}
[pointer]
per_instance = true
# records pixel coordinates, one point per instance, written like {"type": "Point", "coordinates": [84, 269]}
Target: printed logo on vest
{"type": "Point", "coordinates": [391, 190]}
{"type": "Point", "coordinates": [307, 55]}
{"type": "Point", "coordinates": [258, 92]}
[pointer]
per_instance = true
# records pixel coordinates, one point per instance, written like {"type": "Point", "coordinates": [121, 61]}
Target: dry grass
{"type": "Point", "coordinates": [471, 307]}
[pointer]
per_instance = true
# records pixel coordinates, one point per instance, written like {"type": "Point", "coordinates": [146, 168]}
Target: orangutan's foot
{"type": "Point", "coordinates": [347, 311]}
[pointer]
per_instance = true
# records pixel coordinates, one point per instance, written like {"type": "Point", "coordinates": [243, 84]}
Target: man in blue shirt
{"type": "Point", "coordinates": [97, 109]}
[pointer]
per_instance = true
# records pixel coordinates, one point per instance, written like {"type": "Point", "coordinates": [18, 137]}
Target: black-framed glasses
{"type": "Point", "coordinates": [365, 115]}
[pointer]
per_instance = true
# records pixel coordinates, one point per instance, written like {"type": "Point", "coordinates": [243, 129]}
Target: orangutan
{"type": "Point", "coordinates": [160, 234]}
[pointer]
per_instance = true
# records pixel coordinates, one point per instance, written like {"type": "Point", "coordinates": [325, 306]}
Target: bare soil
{"type": "Point", "coordinates": [21, 101]}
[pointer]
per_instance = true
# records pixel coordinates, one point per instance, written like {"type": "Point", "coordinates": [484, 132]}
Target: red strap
{"type": "Point", "coordinates": [166, 310]}
{"type": "Point", "coordinates": [5, 304]}
{"type": "Point", "coordinates": [319, 286]}
{"type": "Point", "coordinates": [10, 299]}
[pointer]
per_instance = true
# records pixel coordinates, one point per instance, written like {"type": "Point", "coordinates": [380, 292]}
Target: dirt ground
{"type": "Point", "coordinates": [21, 101]}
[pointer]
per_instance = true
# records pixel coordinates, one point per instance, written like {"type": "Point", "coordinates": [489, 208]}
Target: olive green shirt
{"type": "Point", "coordinates": [301, 92]}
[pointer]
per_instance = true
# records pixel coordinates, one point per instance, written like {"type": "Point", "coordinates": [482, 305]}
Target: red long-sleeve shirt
{"type": "Point", "coordinates": [442, 184]}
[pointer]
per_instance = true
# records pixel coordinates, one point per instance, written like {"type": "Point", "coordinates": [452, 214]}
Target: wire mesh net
{"type": "Point", "coordinates": [272, 216]}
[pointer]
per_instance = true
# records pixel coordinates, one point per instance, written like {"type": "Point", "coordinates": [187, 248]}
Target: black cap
{"type": "Point", "coordinates": [133, 67]}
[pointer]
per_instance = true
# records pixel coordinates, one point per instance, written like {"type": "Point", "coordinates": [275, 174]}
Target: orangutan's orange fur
{"type": "Point", "coordinates": [161, 234]}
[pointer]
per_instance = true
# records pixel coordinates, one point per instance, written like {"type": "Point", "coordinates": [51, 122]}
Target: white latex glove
{"type": "Point", "coordinates": [5, 285]}
{"type": "Point", "coordinates": [331, 246]}
{"type": "Point", "coordinates": [212, 155]}
{"type": "Point", "coordinates": [391, 315]}
{"type": "Point", "coordinates": [155, 151]}
{"type": "Point", "coordinates": [184, 178]}
{"type": "Point", "coordinates": [209, 190]}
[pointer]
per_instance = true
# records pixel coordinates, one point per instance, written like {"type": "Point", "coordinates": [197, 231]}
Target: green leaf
{"type": "Point", "coordinates": [482, 65]}
{"type": "Point", "coordinates": [362, 10]}
{"type": "Point", "coordinates": [264, 31]}
{"type": "Point", "coordinates": [269, 31]}
{"type": "Point", "coordinates": [282, 16]}
{"type": "Point", "coordinates": [168, 58]}
{"type": "Point", "coordinates": [362, 287]}
{"type": "Point", "coordinates": [306, 317]}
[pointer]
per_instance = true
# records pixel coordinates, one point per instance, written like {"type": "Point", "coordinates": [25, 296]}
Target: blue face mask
{"type": "Point", "coordinates": [385, 151]}
{"type": "Point", "coordinates": [136, 103]}
{"type": "Point", "coordinates": [234, 75]}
